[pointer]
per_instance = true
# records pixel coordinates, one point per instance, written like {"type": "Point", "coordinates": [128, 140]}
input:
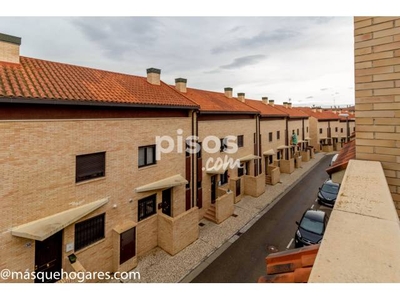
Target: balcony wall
{"type": "Point", "coordinates": [362, 240]}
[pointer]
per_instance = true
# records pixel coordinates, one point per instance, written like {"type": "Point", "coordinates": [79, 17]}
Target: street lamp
{"type": "Point", "coordinates": [347, 125]}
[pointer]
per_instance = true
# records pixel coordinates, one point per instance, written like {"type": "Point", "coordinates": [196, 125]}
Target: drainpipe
{"type": "Point", "coordinates": [287, 138]}
{"type": "Point", "coordinates": [302, 134]}
{"type": "Point", "coordinates": [194, 161]}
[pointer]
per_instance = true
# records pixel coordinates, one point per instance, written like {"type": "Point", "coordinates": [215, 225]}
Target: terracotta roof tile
{"type": "Point", "coordinates": [266, 110]}
{"type": "Point", "coordinates": [290, 266]}
{"type": "Point", "coordinates": [348, 152]}
{"type": "Point", "coordinates": [292, 112]}
{"type": "Point", "coordinates": [324, 115]}
{"type": "Point", "coordinates": [217, 102]}
{"type": "Point", "coordinates": [40, 79]}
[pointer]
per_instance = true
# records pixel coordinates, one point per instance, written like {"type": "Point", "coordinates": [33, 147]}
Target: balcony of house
{"type": "Point", "coordinates": [362, 239]}
{"type": "Point", "coordinates": [285, 161]}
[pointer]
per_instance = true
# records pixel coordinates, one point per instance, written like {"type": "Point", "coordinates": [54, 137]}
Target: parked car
{"type": "Point", "coordinates": [328, 193]}
{"type": "Point", "coordinates": [334, 158]}
{"type": "Point", "coordinates": [311, 228]}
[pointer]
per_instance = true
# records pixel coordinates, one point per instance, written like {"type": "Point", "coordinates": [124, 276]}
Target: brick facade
{"type": "Point", "coordinates": [377, 91]}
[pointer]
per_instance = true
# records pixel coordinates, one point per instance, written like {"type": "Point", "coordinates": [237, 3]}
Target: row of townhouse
{"type": "Point", "coordinates": [94, 166]}
{"type": "Point", "coordinates": [330, 129]}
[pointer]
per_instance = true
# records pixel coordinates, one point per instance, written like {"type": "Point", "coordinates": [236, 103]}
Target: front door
{"type": "Point", "coordinates": [166, 201]}
{"type": "Point", "coordinates": [48, 258]}
{"type": "Point", "coordinates": [213, 184]}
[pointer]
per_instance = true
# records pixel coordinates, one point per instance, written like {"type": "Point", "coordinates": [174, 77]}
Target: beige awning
{"type": "Point", "coordinates": [301, 141]}
{"type": "Point", "coordinates": [323, 138]}
{"type": "Point", "coordinates": [308, 138]}
{"type": "Point", "coordinates": [162, 184]}
{"type": "Point", "coordinates": [43, 228]}
{"type": "Point", "coordinates": [249, 157]}
{"type": "Point", "coordinates": [269, 152]}
{"type": "Point", "coordinates": [215, 170]}
{"type": "Point", "coordinates": [282, 147]}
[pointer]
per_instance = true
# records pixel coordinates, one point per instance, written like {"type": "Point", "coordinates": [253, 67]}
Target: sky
{"type": "Point", "coordinates": [308, 60]}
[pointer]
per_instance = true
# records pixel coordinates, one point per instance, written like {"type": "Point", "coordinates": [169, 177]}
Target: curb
{"type": "Point", "coordinates": [207, 260]}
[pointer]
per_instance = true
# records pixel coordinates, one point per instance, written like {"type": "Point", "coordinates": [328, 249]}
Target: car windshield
{"type": "Point", "coordinates": [312, 225]}
{"type": "Point", "coordinates": [329, 188]}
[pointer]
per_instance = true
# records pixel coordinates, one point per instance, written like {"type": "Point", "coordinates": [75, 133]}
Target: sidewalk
{"type": "Point", "coordinates": [157, 266]}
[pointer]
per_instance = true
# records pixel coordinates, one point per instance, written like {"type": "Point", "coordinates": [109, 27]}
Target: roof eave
{"type": "Point", "coordinates": [218, 112]}
{"type": "Point", "coordinates": [91, 103]}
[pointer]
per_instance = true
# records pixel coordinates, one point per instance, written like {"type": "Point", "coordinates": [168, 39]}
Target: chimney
{"type": "Point", "coordinates": [289, 104]}
{"type": "Point", "coordinates": [285, 104]}
{"type": "Point", "coordinates": [180, 84]}
{"type": "Point", "coordinates": [264, 100]}
{"type": "Point", "coordinates": [240, 97]}
{"type": "Point", "coordinates": [228, 92]}
{"type": "Point", "coordinates": [320, 109]}
{"type": "Point", "coordinates": [271, 102]}
{"type": "Point", "coordinates": [314, 109]}
{"type": "Point", "coordinates": [153, 76]}
{"type": "Point", "coordinates": [9, 48]}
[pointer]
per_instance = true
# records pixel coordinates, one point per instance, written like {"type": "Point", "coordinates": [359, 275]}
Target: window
{"type": "Point", "coordinates": [278, 155]}
{"type": "Point", "coordinates": [354, 129]}
{"type": "Point", "coordinates": [224, 178]}
{"type": "Point", "coordinates": [240, 141]}
{"type": "Point", "coordinates": [270, 159]}
{"type": "Point", "coordinates": [307, 129]}
{"type": "Point", "coordinates": [241, 170]}
{"type": "Point", "coordinates": [270, 137]}
{"type": "Point", "coordinates": [89, 231]}
{"type": "Point", "coordinates": [147, 207]}
{"type": "Point", "coordinates": [222, 145]}
{"type": "Point", "coordinates": [336, 129]}
{"type": "Point", "coordinates": [147, 156]}
{"type": "Point", "coordinates": [320, 130]}
{"type": "Point", "coordinates": [341, 130]}
{"type": "Point", "coordinates": [127, 245]}
{"type": "Point", "coordinates": [298, 132]}
{"type": "Point", "coordinates": [90, 166]}
{"type": "Point", "coordinates": [278, 135]}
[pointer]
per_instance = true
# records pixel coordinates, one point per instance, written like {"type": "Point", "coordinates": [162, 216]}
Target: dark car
{"type": "Point", "coordinates": [328, 193]}
{"type": "Point", "coordinates": [311, 228]}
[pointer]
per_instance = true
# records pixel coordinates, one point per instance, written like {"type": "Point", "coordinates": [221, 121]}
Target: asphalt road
{"type": "Point", "coordinates": [244, 261]}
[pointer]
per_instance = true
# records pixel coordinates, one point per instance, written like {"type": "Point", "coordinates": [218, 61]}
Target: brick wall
{"type": "Point", "coordinates": [377, 91]}
{"type": "Point", "coordinates": [38, 179]}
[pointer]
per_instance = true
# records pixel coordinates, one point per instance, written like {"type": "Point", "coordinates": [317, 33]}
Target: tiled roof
{"type": "Point", "coordinates": [45, 80]}
{"type": "Point", "coordinates": [266, 110]}
{"type": "Point", "coordinates": [217, 102]}
{"type": "Point", "coordinates": [290, 266]}
{"type": "Point", "coordinates": [324, 115]}
{"type": "Point", "coordinates": [293, 112]}
{"type": "Point", "coordinates": [348, 152]}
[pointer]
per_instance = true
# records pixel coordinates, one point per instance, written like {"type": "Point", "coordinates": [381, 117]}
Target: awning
{"type": "Point", "coordinates": [43, 228]}
{"type": "Point", "coordinates": [249, 157]}
{"type": "Point", "coordinates": [308, 138]}
{"type": "Point", "coordinates": [301, 141]}
{"type": "Point", "coordinates": [162, 184]}
{"type": "Point", "coordinates": [269, 152]}
{"type": "Point", "coordinates": [215, 170]}
{"type": "Point", "coordinates": [282, 147]}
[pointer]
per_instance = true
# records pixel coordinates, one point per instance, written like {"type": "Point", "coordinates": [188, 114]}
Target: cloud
{"type": "Point", "coordinates": [117, 36]}
{"type": "Point", "coordinates": [261, 39]}
{"type": "Point", "coordinates": [309, 97]}
{"type": "Point", "coordinates": [244, 61]}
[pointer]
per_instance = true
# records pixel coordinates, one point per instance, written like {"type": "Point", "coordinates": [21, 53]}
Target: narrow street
{"type": "Point", "coordinates": [244, 261]}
